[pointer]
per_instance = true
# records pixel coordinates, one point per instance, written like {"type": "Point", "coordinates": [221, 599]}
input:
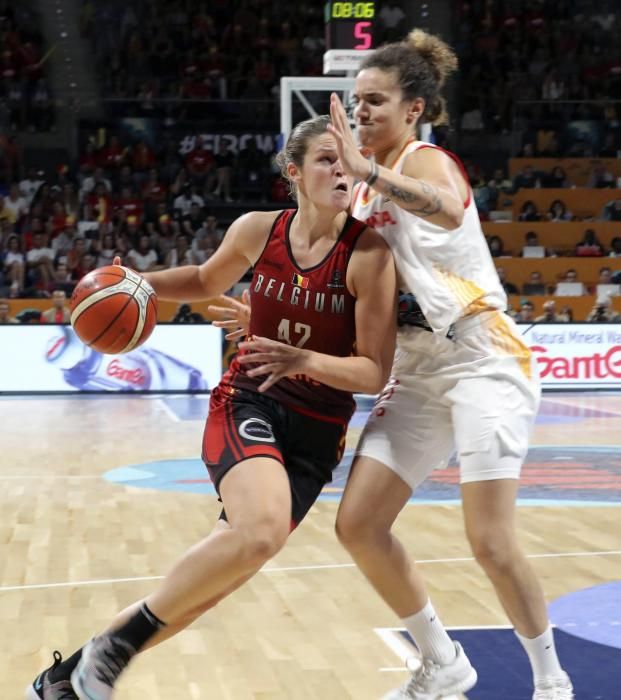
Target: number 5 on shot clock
{"type": "Point", "coordinates": [350, 28]}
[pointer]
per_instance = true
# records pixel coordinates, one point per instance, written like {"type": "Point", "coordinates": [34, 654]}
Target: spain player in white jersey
{"type": "Point", "coordinates": [462, 378]}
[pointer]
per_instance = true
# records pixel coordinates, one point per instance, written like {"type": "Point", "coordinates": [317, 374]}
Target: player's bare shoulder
{"type": "Point", "coordinates": [251, 231]}
{"type": "Point", "coordinates": [371, 242]}
{"type": "Point", "coordinates": [371, 260]}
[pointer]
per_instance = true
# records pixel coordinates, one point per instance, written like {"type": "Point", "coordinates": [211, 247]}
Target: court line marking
{"type": "Point", "coordinates": [285, 569]}
{"type": "Point", "coordinates": [406, 653]}
{"type": "Point", "coordinates": [168, 410]}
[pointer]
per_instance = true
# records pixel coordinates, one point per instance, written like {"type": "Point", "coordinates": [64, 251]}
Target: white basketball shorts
{"type": "Point", "coordinates": [477, 394]}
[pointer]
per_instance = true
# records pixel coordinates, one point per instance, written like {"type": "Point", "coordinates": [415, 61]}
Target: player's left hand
{"type": "Point", "coordinates": [273, 358]}
{"type": "Point", "coordinates": [234, 315]}
{"type": "Point", "coordinates": [352, 160]}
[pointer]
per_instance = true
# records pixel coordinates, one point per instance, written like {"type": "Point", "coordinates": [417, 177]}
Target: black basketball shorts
{"type": "Point", "coordinates": [243, 424]}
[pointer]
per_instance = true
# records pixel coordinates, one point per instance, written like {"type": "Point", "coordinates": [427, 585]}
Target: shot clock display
{"type": "Point", "coordinates": [350, 25]}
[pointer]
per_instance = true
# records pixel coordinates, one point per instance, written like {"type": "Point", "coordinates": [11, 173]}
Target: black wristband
{"type": "Point", "coordinates": [373, 175]}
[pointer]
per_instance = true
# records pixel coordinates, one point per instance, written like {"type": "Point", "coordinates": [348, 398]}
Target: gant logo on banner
{"type": "Point", "coordinates": [585, 355]}
{"type": "Point", "coordinates": [594, 366]}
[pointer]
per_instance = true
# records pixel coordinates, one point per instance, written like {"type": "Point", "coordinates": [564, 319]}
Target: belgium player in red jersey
{"type": "Point", "coordinates": [323, 325]}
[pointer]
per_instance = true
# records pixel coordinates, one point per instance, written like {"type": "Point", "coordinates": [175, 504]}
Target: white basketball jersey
{"type": "Point", "coordinates": [451, 273]}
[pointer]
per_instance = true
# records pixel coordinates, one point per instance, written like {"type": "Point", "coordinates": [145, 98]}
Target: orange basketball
{"type": "Point", "coordinates": [113, 309]}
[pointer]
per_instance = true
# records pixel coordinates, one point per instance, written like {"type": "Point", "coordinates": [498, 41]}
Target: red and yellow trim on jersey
{"type": "Point", "coordinates": [460, 167]}
{"type": "Point", "coordinates": [469, 295]}
{"type": "Point", "coordinates": [506, 342]}
{"type": "Point", "coordinates": [472, 300]}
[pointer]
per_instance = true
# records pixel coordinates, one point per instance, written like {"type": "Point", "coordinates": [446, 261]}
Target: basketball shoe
{"type": "Point", "coordinates": [103, 660]}
{"type": "Point", "coordinates": [42, 687]}
{"type": "Point", "coordinates": [433, 681]}
{"type": "Point", "coordinates": [559, 688]}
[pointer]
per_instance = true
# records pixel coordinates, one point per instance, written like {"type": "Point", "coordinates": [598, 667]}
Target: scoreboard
{"type": "Point", "coordinates": [350, 25]}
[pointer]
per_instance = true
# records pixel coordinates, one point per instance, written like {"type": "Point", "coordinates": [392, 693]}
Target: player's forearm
{"type": "Point", "coordinates": [356, 374]}
{"type": "Point", "coordinates": [178, 284]}
{"type": "Point", "coordinates": [418, 197]}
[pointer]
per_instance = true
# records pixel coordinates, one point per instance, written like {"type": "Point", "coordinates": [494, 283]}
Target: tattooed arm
{"type": "Point", "coordinates": [430, 186]}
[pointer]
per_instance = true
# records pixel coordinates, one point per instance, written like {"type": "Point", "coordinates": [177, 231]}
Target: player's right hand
{"type": "Point", "coordinates": [235, 315]}
{"type": "Point", "coordinates": [352, 159]}
{"type": "Point", "coordinates": [116, 260]}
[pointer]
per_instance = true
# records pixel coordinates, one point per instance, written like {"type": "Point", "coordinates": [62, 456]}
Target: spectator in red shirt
{"type": "Point", "coordinates": [101, 203]}
{"type": "Point", "coordinates": [59, 219]}
{"type": "Point", "coordinates": [200, 164]}
{"type": "Point", "coordinates": [153, 191]}
{"type": "Point", "coordinates": [142, 158]}
{"type": "Point", "coordinates": [113, 155]}
{"type": "Point", "coordinates": [132, 205]}
{"type": "Point", "coordinates": [87, 264]}
{"type": "Point", "coordinates": [74, 257]}
{"type": "Point", "coordinates": [59, 313]}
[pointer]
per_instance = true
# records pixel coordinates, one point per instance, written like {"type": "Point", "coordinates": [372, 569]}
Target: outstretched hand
{"type": "Point", "coordinates": [235, 315]}
{"type": "Point", "coordinates": [350, 155]}
{"type": "Point", "coordinates": [273, 358]}
{"type": "Point", "coordinates": [116, 260]}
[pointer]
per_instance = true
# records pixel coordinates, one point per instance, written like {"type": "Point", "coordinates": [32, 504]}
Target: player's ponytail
{"type": "Point", "coordinates": [422, 63]}
{"type": "Point", "coordinates": [297, 145]}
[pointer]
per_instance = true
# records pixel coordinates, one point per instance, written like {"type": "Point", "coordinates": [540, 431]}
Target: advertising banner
{"type": "Point", "coordinates": [576, 356]}
{"type": "Point", "coordinates": [188, 358]}
{"type": "Point", "coordinates": [51, 358]}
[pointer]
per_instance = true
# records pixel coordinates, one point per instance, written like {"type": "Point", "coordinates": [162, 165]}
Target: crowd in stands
{"type": "Point", "coordinates": [553, 50]}
{"type": "Point", "coordinates": [25, 97]}
{"type": "Point", "coordinates": [154, 209]}
{"type": "Point", "coordinates": [490, 191]}
{"type": "Point", "coordinates": [224, 49]}
{"type": "Point", "coordinates": [159, 209]}
{"type": "Point", "coordinates": [154, 50]}
{"type": "Point", "coordinates": [568, 284]}
{"type": "Point", "coordinates": [602, 312]}
{"type": "Point", "coordinates": [159, 205]}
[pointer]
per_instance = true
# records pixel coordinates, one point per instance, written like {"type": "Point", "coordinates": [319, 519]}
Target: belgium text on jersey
{"type": "Point", "coordinates": [297, 296]}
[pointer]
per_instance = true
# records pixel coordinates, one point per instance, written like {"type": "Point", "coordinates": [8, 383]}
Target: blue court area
{"type": "Point", "coordinates": [571, 475]}
{"type": "Point", "coordinates": [594, 614]}
{"type": "Point", "coordinates": [588, 622]}
{"type": "Point", "coordinates": [551, 475]}
{"type": "Point", "coordinates": [504, 672]}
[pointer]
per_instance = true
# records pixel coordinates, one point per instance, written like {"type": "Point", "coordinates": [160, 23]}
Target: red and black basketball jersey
{"type": "Point", "coordinates": [309, 308]}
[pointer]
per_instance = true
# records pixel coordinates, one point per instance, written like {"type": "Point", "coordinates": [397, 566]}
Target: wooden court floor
{"type": "Point", "coordinates": [75, 548]}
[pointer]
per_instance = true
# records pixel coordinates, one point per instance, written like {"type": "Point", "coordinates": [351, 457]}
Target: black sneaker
{"type": "Point", "coordinates": [43, 689]}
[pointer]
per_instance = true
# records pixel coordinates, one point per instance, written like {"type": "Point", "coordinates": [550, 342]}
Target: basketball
{"type": "Point", "coordinates": [113, 309]}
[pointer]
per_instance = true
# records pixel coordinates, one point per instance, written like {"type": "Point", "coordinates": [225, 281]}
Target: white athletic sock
{"type": "Point", "coordinates": [542, 654]}
{"type": "Point", "coordinates": [430, 636]}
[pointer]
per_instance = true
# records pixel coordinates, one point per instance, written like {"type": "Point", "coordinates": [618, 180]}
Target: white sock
{"type": "Point", "coordinates": [430, 636]}
{"type": "Point", "coordinates": [542, 654]}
